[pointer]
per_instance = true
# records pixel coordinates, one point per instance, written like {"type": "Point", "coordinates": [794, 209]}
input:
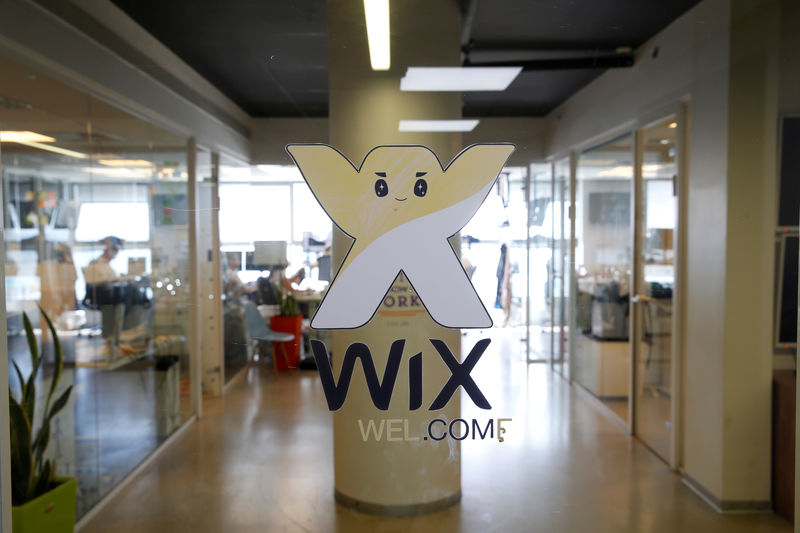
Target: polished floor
{"type": "Point", "coordinates": [260, 460]}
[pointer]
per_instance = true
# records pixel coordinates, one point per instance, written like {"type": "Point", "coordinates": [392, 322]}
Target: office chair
{"type": "Point", "coordinates": [258, 331]}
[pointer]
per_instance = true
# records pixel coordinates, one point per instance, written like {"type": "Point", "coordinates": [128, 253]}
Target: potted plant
{"type": "Point", "coordinates": [41, 500]}
{"type": "Point", "coordinates": [289, 320]}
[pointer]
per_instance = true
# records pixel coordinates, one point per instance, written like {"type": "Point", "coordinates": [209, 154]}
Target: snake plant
{"type": "Point", "coordinates": [31, 476]}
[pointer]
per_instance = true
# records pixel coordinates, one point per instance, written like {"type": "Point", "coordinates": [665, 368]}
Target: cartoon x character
{"type": "Point", "coordinates": [400, 206]}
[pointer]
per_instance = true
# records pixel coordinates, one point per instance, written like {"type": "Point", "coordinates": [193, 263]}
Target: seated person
{"type": "Point", "coordinates": [100, 270]}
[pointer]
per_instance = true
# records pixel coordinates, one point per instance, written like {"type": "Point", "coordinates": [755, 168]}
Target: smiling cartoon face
{"type": "Point", "coordinates": [401, 176]}
{"type": "Point", "coordinates": [398, 180]}
{"type": "Point", "coordinates": [396, 184]}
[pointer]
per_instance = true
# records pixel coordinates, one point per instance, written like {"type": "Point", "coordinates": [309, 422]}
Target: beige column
{"type": "Point", "coordinates": [405, 476]}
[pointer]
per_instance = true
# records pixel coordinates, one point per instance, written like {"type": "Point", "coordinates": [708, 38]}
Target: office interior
{"type": "Point", "coordinates": [637, 254]}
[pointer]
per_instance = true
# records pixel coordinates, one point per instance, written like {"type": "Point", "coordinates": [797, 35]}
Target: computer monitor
{"type": "Point", "coordinates": [310, 244]}
{"type": "Point", "coordinates": [269, 253]}
{"type": "Point", "coordinates": [325, 273]}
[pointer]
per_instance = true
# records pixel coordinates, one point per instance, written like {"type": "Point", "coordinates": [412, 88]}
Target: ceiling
{"type": "Point", "coordinates": [562, 44]}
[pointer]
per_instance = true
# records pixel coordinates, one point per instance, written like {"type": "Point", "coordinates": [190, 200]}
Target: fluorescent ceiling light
{"type": "Point", "coordinates": [458, 78]}
{"type": "Point", "coordinates": [437, 125]}
{"type": "Point", "coordinates": [377, 15]}
{"type": "Point", "coordinates": [119, 172]}
{"type": "Point", "coordinates": [24, 136]}
{"type": "Point", "coordinates": [56, 149]}
{"type": "Point", "coordinates": [125, 162]}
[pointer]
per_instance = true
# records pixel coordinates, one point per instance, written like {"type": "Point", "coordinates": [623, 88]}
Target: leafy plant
{"type": "Point", "coordinates": [288, 305]}
{"type": "Point", "coordinates": [30, 477]}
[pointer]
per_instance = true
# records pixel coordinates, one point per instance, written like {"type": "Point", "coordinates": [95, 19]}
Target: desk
{"type": "Point", "coordinates": [308, 302]}
{"type": "Point", "coordinates": [93, 351]}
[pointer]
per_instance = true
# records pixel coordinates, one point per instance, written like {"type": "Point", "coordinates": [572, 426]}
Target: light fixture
{"type": "Point", "coordinates": [56, 149]}
{"type": "Point", "coordinates": [673, 125]}
{"type": "Point", "coordinates": [458, 78]}
{"type": "Point", "coordinates": [376, 13]}
{"type": "Point", "coordinates": [119, 172]}
{"type": "Point", "coordinates": [437, 125]}
{"type": "Point", "coordinates": [24, 136]}
{"type": "Point", "coordinates": [125, 162]}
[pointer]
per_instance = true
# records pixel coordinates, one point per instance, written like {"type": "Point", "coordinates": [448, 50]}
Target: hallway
{"type": "Point", "coordinates": [261, 460]}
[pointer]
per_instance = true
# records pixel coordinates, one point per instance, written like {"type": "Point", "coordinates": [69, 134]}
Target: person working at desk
{"type": "Point", "coordinates": [100, 270]}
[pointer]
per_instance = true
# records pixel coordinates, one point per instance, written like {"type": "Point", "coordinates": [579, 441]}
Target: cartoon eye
{"type": "Point", "coordinates": [421, 187]}
{"type": "Point", "coordinates": [381, 189]}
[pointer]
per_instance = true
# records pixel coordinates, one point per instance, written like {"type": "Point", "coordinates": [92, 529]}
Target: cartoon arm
{"type": "Point", "coordinates": [331, 177]}
{"type": "Point", "coordinates": [470, 176]}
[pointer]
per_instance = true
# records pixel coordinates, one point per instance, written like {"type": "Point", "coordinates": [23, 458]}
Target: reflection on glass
{"type": "Point", "coordinates": [493, 251]}
{"type": "Point", "coordinates": [96, 234]}
{"type": "Point", "coordinates": [540, 289]}
{"type": "Point", "coordinates": [287, 213]}
{"type": "Point", "coordinates": [237, 203]}
{"type": "Point", "coordinates": [560, 266]}
{"type": "Point", "coordinates": [654, 332]}
{"type": "Point", "coordinates": [603, 238]}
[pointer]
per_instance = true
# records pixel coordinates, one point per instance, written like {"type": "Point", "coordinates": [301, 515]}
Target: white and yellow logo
{"type": "Point", "coordinates": [400, 206]}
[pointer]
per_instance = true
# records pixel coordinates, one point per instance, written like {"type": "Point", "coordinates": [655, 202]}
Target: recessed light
{"type": "Point", "coordinates": [437, 125]}
{"type": "Point", "coordinates": [458, 78]}
{"type": "Point", "coordinates": [673, 125]}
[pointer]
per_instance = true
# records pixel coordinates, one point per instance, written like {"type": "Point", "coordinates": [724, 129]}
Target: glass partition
{"type": "Point", "coordinates": [237, 203]}
{"type": "Point", "coordinates": [603, 258]}
{"type": "Point", "coordinates": [290, 218]}
{"type": "Point", "coordinates": [560, 267]}
{"type": "Point", "coordinates": [494, 250]}
{"type": "Point", "coordinates": [96, 234]}
{"type": "Point", "coordinates": [540, 263]}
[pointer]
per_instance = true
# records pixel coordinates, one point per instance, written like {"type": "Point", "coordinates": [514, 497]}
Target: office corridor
{"type": "Point", "coordinates": [261, 460]}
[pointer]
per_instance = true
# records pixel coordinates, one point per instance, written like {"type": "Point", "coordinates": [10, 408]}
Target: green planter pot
{"type": "Point", "coordinates": [52, 512]}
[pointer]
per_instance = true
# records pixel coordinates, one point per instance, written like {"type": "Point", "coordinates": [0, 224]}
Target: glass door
{"type": "Point", "coordinates": [603, 267]}
{"type": "Point", "coordinates": [655, 283]}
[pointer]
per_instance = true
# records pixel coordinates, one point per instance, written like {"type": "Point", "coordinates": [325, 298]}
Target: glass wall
{"type": "Point", "coordinates": [540, 262]}
{"type": "Point", "coordinates": [291, 222]}
{"type": "Point", "coordinates": [494, 250]}
{"type": "Point", "coordinates": [561, 268]}
{"type": "Point", "coordinates": [603, 259]}
{"type": "Point", "coordinates": [96, 234]}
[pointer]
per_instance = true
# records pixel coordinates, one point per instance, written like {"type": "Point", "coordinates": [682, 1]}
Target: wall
{"type": "Point", "coordinates": [749, 260]}
{"type": "Point", "coordinates": [691, 65]}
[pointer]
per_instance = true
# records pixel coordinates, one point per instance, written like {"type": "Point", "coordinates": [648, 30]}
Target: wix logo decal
{"type": "Point", "coordinates": [400, 206]}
